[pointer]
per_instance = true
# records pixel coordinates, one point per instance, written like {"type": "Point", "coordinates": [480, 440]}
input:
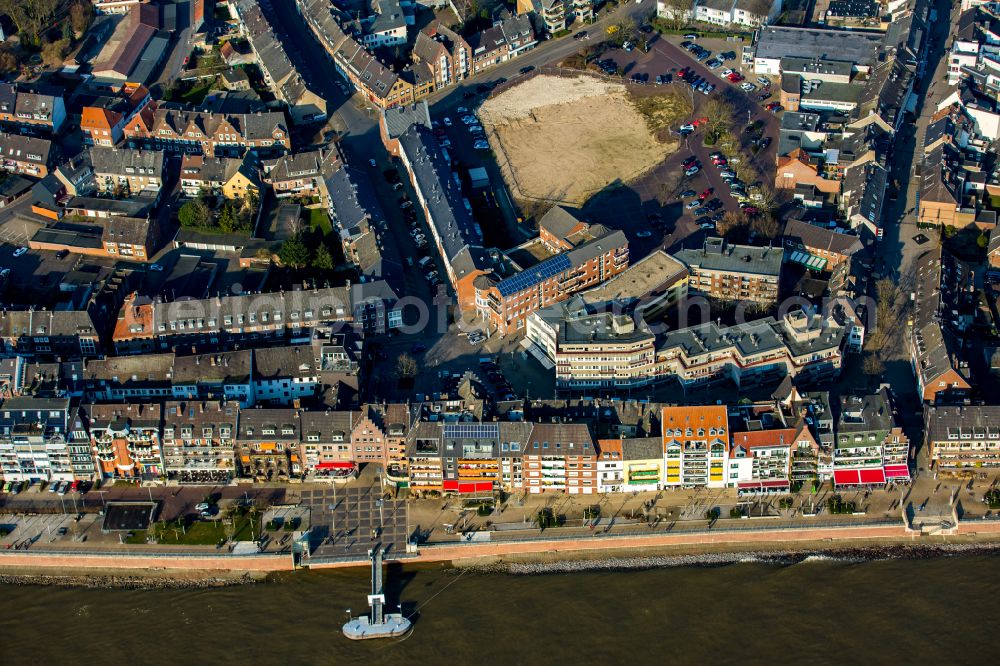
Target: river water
{"type": "Point", "coordinates": [896, 611]}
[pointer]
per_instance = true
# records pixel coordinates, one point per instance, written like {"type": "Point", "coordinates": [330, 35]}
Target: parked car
{"type": "Point", "coordinates": [688, 127]}
{"type": "Point", "coordinates": [707, 193]}
{"type": "Point", "coordinates": [447, 121]}
{"type": "Point", "coordinates": [688, 193]}
{"type": "Point", "coordinates": [531, 68]}
{"type": "Point", "coordinates": [481, 145]}
{"type": "Point", "coordinates": [644, 234]}
{"type": "Point", "coordinates": [774, 107]}
{"type": "Point", "coordinates": [763, 81]}
{"type": "Point", "coordinates": [725, 72]}
{"type": "Point", "coordinates": [691, 36]}
{"type": "Point", "coordinates": [702, 220]}
{"type": "Point", "coordinates": [20, 251]}
{"type": "Point", "coordinates": [765, 142]}
{"type": "Point", "coordinates": [692, 170]}
{"type": "Point", "coordinates": [693, 204]}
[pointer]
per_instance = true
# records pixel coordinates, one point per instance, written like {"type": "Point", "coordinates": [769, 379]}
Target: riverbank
{"type": "Point", "coordinates": [115, 579]}
{"type": "Point", "coordinates": [779, 557]}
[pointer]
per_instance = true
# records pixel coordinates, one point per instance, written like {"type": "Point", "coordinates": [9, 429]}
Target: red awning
{"type": "Point", "coordinates": [475, 487]}
{"type": "Point", "coordinates": [334, 465]}
{"type": "Point", "coordinates": [749, 485]}
{"type": "Point", "coordinates": [846, 477]}
{"type": "Point", "coordinates": [777, 483]}
{"type": "Point", "coordinates": [873, 476]}
{"type": "Point", "coordinates": [449, 485]}
{"type": "Point", "coordinates": [897, 471]}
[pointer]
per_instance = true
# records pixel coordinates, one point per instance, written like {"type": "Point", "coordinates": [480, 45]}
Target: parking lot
{"type": "Point", "coordinates": [652, 204]}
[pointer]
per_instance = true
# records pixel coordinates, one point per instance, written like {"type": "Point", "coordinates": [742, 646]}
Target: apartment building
{"type": "Point", "coordinates": [733, 272]}
{"type": "Point", "coordinates": [125, 440]}
{"type": "Point", "coordinates": [35, 439]}
{"type": "Point", "coordinates": [207, 133]}
{"type": "Point", "coordinates": [406, 133]}
{"type": "Point", "coordinates": [610, 466]}
{"type": "Point", "coordinates": [556, 15]}
{"type": "Point", "coordinates": [817, 248]}
{"type": "Point", "coordinates": [26, 155]}
{"type": "Point", "coordinates": [145, 326]}
{"type": "Point", "coordinates": [67, 333]}
{"type": "Point", "coordinates": [643, 464]}
{"type": "Point", "coordinates": [103, 116]}
{"type": "Point", "coordinates": [562, 457]}
{"type": "Point", "coordinates": [231, 177]}
{"type": "Point", "coordinates": [132, 238]}
{"type": "Point", "coordinates": [942, 374]}
{"type": "Point", "coordinates": [695, 446]}
{"type": "Point", "coordinates": [870, 450]}
{"type": "Point", "coordinates": [198, 441]}
{"type": "Point", "coordinates": [506, 303]}
{"type": "Point", "coordinates": [304, 105]}
{"type": "Point", "coordinates": [301, 174]}
{"type": "Point", "coordinates": [124, 172]}
{"type": "Point", "coordinates": [445, 52]}
{"type": "Point", "coordinates": [963, 440]}
{"type": "Point", "coordinates": [746, 13]}
{"type": "Point", "coordinates": [268, 445]}
{"type": "Point", "coordinates": [380, 86]}
{"type": "Point", "coordinates": [326, 443]}
{"type": "Point", "coordinates": [760, 460]}
{"type": "Point", "coordinates": [31, 109]}
{"type": "Point", "coordinates": [594, 350]}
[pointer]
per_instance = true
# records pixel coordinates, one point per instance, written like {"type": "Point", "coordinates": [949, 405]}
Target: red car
{"type": "Point", "coordinates": [719, 161]}
{"type": "Point", "coordinates": [750, 210]}
{"type": "Point", "coordinates": [773, 107]}
{"type": "Point", "coordinates": [681, 74]}
{"type": "Point", "coordinates": [73, 487]}
{"type": "Point", "coordinates": [735, 77]}
{"type": "Point", "coordinates": [704, 195]}
{"type": "Point", "coordinates": [689, 161]}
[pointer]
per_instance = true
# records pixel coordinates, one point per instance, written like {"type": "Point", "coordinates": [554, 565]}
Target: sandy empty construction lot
{"type": "Point", "coordinates": [564, 139]}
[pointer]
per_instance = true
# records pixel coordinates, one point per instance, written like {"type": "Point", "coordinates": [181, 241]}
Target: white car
{"type": "Point", "coordinates": [372, 163]}
{"type": "Point", "coordinates": [461, 109]}
{"type": "Point", "coordinates": [20, 251]}
{"type": "Point", "coordinates": [749, 87]}
{"type": "Point", "coordinates": [725, 72]}
{"type": "Point", "coordinates": [644, 234]}
{"type": "Point", "coordinates": [687, 128]}
{"type": "Point", "coordinates": [156, 267]}
{"type": "Point", "coordinates": [481, 145]}
{"type": "Point", "coordinates": [447, 121]}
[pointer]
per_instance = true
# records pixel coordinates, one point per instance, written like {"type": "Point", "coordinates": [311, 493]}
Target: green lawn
{"type": "Point", "coordinates": [319, 220]}
{"type": "Point", "coordinates": [201, 533]}
{"type": "Point", "coordinates": [195, 94]}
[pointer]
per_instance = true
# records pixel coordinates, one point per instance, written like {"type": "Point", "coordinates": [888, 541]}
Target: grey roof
{"type": "Point", "coordinates": [642, 448]}
{"type": "Point", "coordinates": [148, 368]}
{"type": "Point", "coordinates": [231, 367]}
{"type": "Point", "coordinates": [25, 148]}
{"type": "Point", "coordinates": [813, 236]}
{"type": "Point", "coordinates": [454, 226]}
{"type": "Point", "coordinates": [352, 197]}
{"type": "Point", "coordinates": [126, 162]}
{"type": "Point", "coordinates": [200, 414]}
{"type": "Point", "coordinates": [253, 422]}
{"type": "Point", "coordinates": [962, 422]}
{"type": "Point", "coordinates": [216, 169]}
{"type": "Point", "coordinates": [135, 414]}
{"type": "Point", "coordinates": [558, 221]}
{"type": "Point", "coordinates": [299, 165]}
{"type": "Point", "coordinates": [398, 119]}
{"type": "Point", "coordinates": [717, 255]}
{"type": "Point", "coordinates": [150, 59]}
{"type": "Point", "coordinates": [329, 424]}
{"type": "Point", "coordinates": [52, 323]}
{"type": "Point", "coordinates": [390, 17]}
{"type": "Point", "coordinates": [563, 439]}
{"type": "Point", "coordinates": [868, 413]}
{"type": "Point", "coordinates": [293, 361]}
{"type": "Point", "coordinates": [833, 92]}
{"type": "Point", "coordinates": [859, 48]}
{"type": "Point", "coordinates": [124, 207]}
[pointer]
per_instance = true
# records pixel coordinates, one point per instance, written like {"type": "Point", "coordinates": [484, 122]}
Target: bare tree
{"type": "Point", "coordinates": [720, 115]}
{"type": "Point", "coordinates": [730, 222]}
{"type": "Point", "coordinates": [765, 225]}
{"type": "Point", "coordinates": [30, 16]}
{"type": "Point", "coordinates": [406, 367]}
{"type": "Point", "coordinates": [675, 13]}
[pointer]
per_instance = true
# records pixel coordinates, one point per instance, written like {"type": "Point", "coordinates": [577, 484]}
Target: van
{"type": "Point", "coordinates": [423, 262]}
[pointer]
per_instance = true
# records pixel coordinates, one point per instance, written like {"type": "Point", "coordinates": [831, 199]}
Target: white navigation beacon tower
{"type": "Point", "coordinates": [378, 623]}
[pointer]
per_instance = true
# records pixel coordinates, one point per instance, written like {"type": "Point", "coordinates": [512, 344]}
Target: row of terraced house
{"type": "Point", "coordinates": [440, 56]}
{"type": "Point", "coordinates": [754, 448]}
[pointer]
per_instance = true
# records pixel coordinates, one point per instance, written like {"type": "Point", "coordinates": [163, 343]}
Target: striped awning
{"type": "Point", "coordinates": [810, 261]}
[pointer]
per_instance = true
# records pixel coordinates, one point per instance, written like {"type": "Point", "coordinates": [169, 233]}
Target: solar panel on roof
{"type": "Point", "coordinates": [472, 431]}
{"type": "Point", "coordinates": [534, 275]}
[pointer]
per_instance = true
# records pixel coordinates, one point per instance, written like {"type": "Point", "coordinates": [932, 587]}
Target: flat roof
{"type": "Point", "coordinates": [638, 280]}
{"type": "Point", "coordinates": [128, 516]}
{"type": "Point", "coordinates": [860, 48]}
